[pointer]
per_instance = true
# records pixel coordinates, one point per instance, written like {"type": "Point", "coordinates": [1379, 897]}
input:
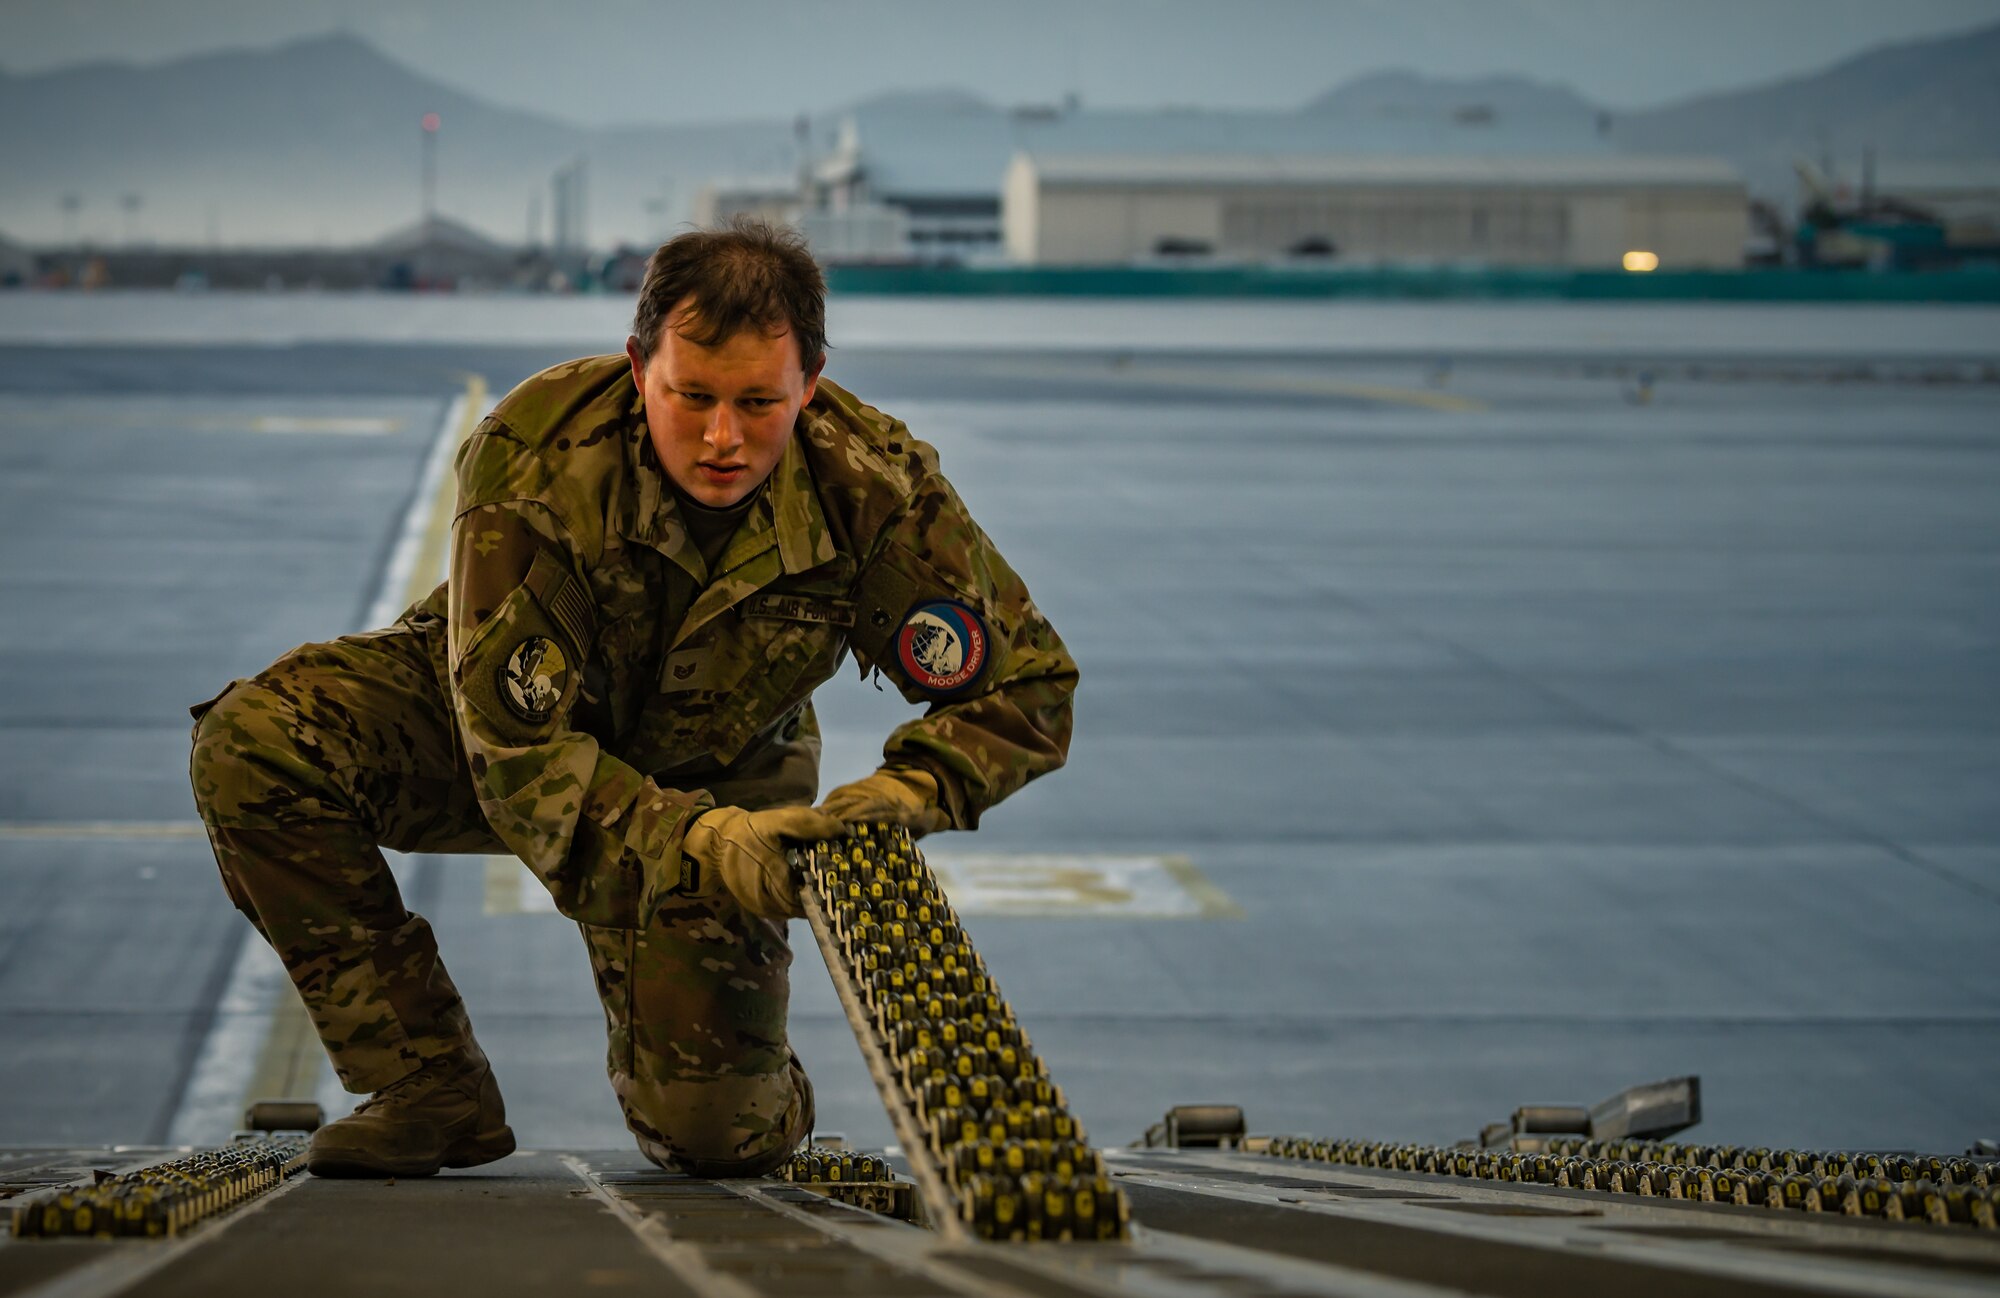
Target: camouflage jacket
{"type": "Point", "coordinates": [607, 687]}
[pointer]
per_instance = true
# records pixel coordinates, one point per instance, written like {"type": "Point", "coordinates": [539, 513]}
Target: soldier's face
{"type": "Point", "coordinates": [720, 416]}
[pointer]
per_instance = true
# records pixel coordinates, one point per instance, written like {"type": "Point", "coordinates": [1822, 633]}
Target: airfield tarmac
{"type": "Point", "coordinates": [1450, 737]}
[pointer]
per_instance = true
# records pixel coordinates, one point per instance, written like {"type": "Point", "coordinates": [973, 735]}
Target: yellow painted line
{"type": "Point", "coordinates": [511, 890]}
{"type": "Point", "coordinates": [1393, 396]}
{"type": "Point", "coordinates": [1214, 902]}
{"type": "Point", "coordinates": [430, 567]}
{"type": "Point", "coordinates": [102, 829]}
{"type": "Point", "coordinates": [290, 1061]}
{"type": "Point", "coordinates": [1209, 378]}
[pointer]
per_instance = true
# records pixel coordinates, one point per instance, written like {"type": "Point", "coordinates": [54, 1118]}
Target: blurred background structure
{"type": "Point", "coordinates": [1576, 669]}
{"type": "Point", "coordinates": [297, 163]}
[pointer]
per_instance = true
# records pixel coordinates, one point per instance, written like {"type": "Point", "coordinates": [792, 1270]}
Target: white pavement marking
{"type": "Point", "coordinates": [1096, 887]}
{"type": "Point", "coordinates": [213, 1104]}
{"type": "Point", "coordinates": [1217, 379]}
{"type": "Point", "coordinates": [355, 426]}
{"type": "Point", "coordinates": [259, 989]}
{"type": "Point", "coordinates": [117, 414]}
{"type": "Point", "coordinates": [1050, 884]}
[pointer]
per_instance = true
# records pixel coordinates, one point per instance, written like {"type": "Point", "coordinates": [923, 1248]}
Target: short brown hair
{"type": "Point", "coordinates": [749, 274]}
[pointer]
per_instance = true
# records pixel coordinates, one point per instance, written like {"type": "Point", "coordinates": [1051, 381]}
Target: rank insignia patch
{"type": "Point", "coordinates": [533, 677]}
{"type": "Point", "coordinates": [942, 646]}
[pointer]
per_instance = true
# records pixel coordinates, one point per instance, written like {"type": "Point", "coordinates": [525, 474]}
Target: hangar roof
{"type": "Point", "coordinates": [1561, 170]}
{"type": "Point", "coordinates": [967, 151]}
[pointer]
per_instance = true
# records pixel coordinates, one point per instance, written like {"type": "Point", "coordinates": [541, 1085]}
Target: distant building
{"type": "Point", "coordinates": [439, 234]}
{"type": "Point", "coordinates": [1963, 194]}
{"type": "Point", "coordinates": [926, 178]}
{"type": "Point", "coordinates": [768, 198]}
{"type": "Point", "coordinates": [853, 207]}
{"type": "Point", "coordinates": [17, 264]}
{"type": "Point", "coordinates": [438, 251]}
{"type": "Point", "coordinates": [569, 190]}
{"type": "Point", "coordinates": [1573, 210]}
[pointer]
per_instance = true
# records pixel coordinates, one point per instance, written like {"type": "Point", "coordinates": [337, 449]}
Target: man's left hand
{"type": "Point", "coordinates": [898, 795]}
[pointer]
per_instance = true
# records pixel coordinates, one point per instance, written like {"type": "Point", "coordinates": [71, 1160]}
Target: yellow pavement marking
{"type": "Point", "coordinates": [511, 890]}
{"type": "Point", "coordinates": [1214, 902]}
{"type": "Point", "coordinates": [430, 566]}
{"type": "Point", "coordinates": [290, 1064]}
{"type": "Point", "coordinates": [1218, 378]}
{"type": "Point", "coordinates": [102, 829]}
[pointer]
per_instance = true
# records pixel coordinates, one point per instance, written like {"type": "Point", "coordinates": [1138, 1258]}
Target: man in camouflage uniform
{"type": "Point", "coordinates": [656, 559]}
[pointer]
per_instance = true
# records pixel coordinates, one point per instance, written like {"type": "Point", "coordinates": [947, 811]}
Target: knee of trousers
{"type": "Point", "coordinates": [256, 772]}
{"type": "Point", "coordinates": [720, 1126]}
{"type": "Point", "coordinates": [256, 763]}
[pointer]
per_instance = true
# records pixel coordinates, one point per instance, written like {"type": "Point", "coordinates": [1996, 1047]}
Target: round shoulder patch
{"type": "Point", "coordinates": [942, 646]}
{"type": "Point", "coordinates": [533, 678]}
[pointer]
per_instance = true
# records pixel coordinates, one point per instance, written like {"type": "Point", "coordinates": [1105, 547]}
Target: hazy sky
{"type": "Point", "coordinates": [602, 61]}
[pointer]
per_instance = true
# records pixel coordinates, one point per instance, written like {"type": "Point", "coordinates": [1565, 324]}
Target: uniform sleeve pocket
{"type": "Point", "coordinates": [521, 671]}
{"type": "Point", "coordinates": [950, 626]}
{"type": "Point", "coordinates": [890, 588]}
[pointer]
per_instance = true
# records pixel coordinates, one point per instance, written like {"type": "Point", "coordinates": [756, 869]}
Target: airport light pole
{"type": "Point", "coordinates": [426, 229]}
{"type": "Point", "coordinates": [431, 123]}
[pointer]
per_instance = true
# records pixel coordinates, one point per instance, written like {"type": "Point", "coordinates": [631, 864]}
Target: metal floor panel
{"type": "Point", "coordinates": [1209, 1225]}
{"type": "Point", "coordinates": [524, 1226]}
{"type": "Point", "coordinates": [1524, 1241]}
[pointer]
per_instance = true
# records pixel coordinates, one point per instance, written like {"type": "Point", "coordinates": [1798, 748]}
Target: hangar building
{"type": "Point", "coordinates": [1573, 210]}
{"type": "Point", "coordinates": [1531, 179]}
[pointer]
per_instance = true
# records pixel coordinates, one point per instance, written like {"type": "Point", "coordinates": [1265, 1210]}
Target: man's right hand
{"type": "Point", "coordinates": [743, 852]}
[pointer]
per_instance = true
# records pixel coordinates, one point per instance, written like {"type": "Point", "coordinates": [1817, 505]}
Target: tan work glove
{"type": "Point", "coordinates": [743, 852]}
{"type": "Point", "coordinates": [900, 795]}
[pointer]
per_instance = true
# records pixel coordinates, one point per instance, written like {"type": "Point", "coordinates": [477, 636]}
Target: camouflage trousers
{"type": "Point", "coordinates": [306, 771]}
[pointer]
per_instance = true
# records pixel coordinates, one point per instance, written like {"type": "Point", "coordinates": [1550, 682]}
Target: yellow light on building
{"type": "Point", "coordinates": [1641, 261]}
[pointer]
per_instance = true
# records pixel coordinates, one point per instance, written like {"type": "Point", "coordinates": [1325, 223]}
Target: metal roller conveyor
{"type": "Point", "coordinates": [991, 1144]}
{"type": "Point", "coordinates": [163, 1199]}
{"type": "Point", "coordinates": [1938, 1190]}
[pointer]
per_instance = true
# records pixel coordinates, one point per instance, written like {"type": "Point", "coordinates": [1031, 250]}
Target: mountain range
{"type": "Point", "coordinates": [317, 141]}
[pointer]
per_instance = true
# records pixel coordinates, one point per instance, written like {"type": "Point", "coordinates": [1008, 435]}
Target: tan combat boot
{"type": "Point", "coordinates": [446, 1114]}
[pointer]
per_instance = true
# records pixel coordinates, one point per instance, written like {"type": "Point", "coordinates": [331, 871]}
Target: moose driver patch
{"type": "Point", "coordinates": [533, 678]}
{"type": "Point", "coordinates": [942, 646]}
